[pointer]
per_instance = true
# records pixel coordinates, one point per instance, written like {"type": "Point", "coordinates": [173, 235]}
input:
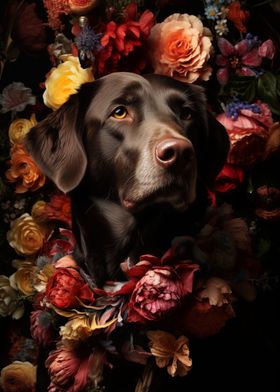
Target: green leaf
{"type": "Point", "coordinates": [267, 91]}
{"type": "Point", "coordinates": [243, 87]}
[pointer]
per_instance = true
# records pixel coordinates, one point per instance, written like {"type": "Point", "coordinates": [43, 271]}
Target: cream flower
{"type": "Point", "coordinates": [18, 376]}
{"type": "Point", "coordinates": [170, 352]}
{"type": "Point", "coordinates": [64, 81]}
{"type": "Point", "coordinates": [180, 47]}
{"type": "Point", "coordinates": [19, 128]}
{"type": "Point", "coordinates": [23, 279]}
{"type": "Point", "coordinates": [217, 291]}
{"type": "Point", "coordinates": [25, 236]}
{"type": "Point", "coordinates": [42, 277]}
{"type": "Point", "coordinates": [9, 305]}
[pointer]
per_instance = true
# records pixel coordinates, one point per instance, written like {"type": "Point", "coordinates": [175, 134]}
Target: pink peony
{"type": "Point", "coordinates": [180, 47]}
{"type": "Point", "coordinates": [157, 288]}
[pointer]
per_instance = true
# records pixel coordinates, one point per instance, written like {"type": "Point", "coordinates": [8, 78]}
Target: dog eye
{"type": "Point", "coordinates": [186, 114]}
{"type": "Point", "coordinates": [119, 113]}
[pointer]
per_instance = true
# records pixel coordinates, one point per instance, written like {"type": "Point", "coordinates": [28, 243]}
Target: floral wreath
{"type": "Point", "coordinates": [191, 290]}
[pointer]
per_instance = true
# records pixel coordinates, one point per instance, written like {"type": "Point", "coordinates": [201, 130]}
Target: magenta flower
{"type": "Point", "coordinates": [242, 59]}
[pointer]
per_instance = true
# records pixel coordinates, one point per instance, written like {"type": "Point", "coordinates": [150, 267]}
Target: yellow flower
{"type": "Point", "coordinates": [18, 376]}
{"type": "Point", "coordinates": [25, 236]}
{"type": "Point", "coordinates": [170, 352]}
{"type": "Point", "coordinates": [78, 328]}
{"type": "Point", "coordinates": [64, 81]}
{"type": "Point", "coordinates": [9, 305]}
{"type": "Point", "coordinates": [23, 279]}
{"type": "Point", "coordinates": [19, 128]}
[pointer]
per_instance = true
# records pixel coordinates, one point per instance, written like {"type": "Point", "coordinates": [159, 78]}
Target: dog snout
{"type": "Point", "coordinates": [171, 152]}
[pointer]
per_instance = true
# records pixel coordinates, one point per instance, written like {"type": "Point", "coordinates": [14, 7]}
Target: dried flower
{"type": "Point", "coordinates": [170, 352]}
{"type": "Point", "coordinates": [9, 304]}
{"type": "Point", "coordinates": [15, 97]}
{"type": "Point", "coordinates": [41, 327]}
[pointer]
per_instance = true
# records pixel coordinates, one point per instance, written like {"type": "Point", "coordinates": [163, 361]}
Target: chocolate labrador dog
{"type": "Point", "coordinates": [134, 153]}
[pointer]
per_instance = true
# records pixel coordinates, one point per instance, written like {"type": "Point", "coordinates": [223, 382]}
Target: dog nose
{"type": "Point", "coordinates": [173, 151]}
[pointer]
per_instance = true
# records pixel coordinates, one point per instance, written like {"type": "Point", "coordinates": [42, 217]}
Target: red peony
{"type": "Point", "coordinates": [158, 288]}
{"type": "Point", "coordinates": [66, 287]}
{"type": "Point", "coordinates": [229, 178]}
{"type": "Point", "coordinates": [59, 208]}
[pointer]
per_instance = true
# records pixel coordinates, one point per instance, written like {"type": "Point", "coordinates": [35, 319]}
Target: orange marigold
{"type": "Point", "coordinates": [23, 171]}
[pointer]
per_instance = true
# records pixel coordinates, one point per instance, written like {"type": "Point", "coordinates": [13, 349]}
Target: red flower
{"type": "Point", "coordinates": [157, 288]}
{"type": "Point", "coordinates": [121, 40]}
{"type": "Point", "coordinates": [59, 208]}
{"type": "Point", "coordinates": [229, 178]}
{"type": "Point", "coordinates": [238, 16]}
{"type": "Point", "coordinates": [71, 370]}
{"type": "Point", "coordinates": [65, 287]}
{"type": "Point", "coordinates": [41, 327]}
{"type": "Point", "coordinates": [200, 319]}
{"type": "Point", "coordinates": [60, 246]}
{"type": "Point", "coordinates": [268, 203]}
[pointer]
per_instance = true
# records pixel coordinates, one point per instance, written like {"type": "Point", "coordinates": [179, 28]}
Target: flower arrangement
{"type": "Point", "coordinates": [193, 290]}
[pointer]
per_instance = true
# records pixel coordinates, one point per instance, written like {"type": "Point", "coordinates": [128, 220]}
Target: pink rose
{"type": "Point", "coordinates": [180, 47]}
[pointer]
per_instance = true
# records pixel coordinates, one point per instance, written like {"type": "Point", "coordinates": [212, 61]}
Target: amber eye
{"type": "Point", "coordinates": [186, 114]}
{"type": "Point", "coordinates": [120, 113]}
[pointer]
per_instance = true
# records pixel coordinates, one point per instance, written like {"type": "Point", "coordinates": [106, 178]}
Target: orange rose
{"type": "Point", "coordinates": [180, 47]}
{"type": "Point", "coordinates": [23, 171]}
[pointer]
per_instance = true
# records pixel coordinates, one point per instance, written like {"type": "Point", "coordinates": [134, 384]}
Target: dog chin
{"type": "Point", "coordinates": [179, 200]}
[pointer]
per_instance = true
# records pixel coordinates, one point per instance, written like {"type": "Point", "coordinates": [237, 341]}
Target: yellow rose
{"type": "Point", "coordinates": [9, 305]}
{"type": "Point", "coordinates": [25, 236]}
{"type": "Point", "coordinates": [19, 129]}
{"type": "Point", "coordinates": [23, 279]}
{"type": "Point", "coordinates": [64, 81]}
{"type": "Point", "coordinates": [18, 377]}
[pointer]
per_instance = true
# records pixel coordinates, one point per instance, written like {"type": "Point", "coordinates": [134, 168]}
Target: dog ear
{"type": "Point", "coordinates": [56, 146]}
{"type": "Point", "coordinates": [216, 149]}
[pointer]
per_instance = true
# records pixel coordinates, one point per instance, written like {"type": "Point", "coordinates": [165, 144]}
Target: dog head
{"type": "Point", "coordinates": [133, 139]}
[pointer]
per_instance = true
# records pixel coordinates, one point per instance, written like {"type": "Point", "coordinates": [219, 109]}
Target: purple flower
{"type": "Point", "coordinates": [15, 97]}
{"type": "Point", "coordinates": [243, 58]}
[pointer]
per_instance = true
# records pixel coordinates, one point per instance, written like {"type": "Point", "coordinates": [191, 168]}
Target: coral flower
{"type": "Point", "coordinates": [238, 16]}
